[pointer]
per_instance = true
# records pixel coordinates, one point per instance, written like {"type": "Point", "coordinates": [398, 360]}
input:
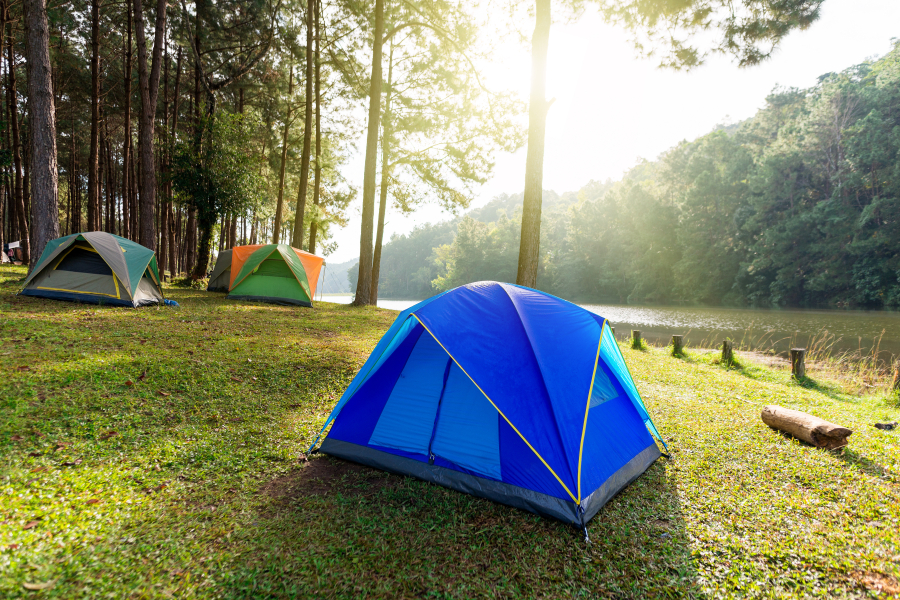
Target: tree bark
{"type": "Point", "coordinates": [307, 130]}
{"type": "Point", "coordinates": [18, 193]}
{"type": "Point", "coordinates": [810, 429]}
{"type": "Point", "coordinates": [314, 224]}
{"type": "Point", "coordinates": [385, 178]}
{"type": "Point", "coordinates": [203, 251]}
{"type": "Point", "coordinates": [364, 282]}
{"type": "Point", "coordinates": [44, 173]}
{"type": "Point", "coordinates": [173, 264]}
{"type": "Point", "coordinates": [530, 242]}
{"type": "Point", "coordinates": [279, 207]}
{"type": "Point", "coordinates": [149, 85]}
{"type": "Point", "coordinates": [94, 160]}
{"type": "Point", "coordinates": [127, 217]}
{"type": "Point", "coordinates": [163, 262]}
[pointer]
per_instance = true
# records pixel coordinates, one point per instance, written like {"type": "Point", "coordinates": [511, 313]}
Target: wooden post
{"type": "Point", "coordinates": [727, 352]}
{"type": "Point", "coordinates": [677, 344]}
{"type": "Point", "coordinates": [895, 382]}
{"type": "Point", "coordinates": [635, 338]}
{"type": "Point", "coordinates": [798, 363]}
{"type": "Point", "coordinates": [810, 429]}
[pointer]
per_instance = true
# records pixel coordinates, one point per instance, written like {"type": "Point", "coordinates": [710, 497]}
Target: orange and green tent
{"type": "Point", "coordinates": [274, 273]}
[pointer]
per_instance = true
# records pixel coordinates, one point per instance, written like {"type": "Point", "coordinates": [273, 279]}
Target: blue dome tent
{"type": "Point", "coordinates": [502, 392]}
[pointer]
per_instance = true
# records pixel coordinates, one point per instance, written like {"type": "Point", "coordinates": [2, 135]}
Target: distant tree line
{"type": "Point", "coordinates": [797, 206]}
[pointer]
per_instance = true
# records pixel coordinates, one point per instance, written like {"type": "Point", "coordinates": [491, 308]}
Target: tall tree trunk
{"type": "Point", "coordinates": [42, 132]}
{"type": "Point", "coordinates": [206, 230]}
{"type": "Point", "coordinates": [4, 188]}
{"type": "Point", "coordinates": [127, 216]}
{"type": "Point", "coordinates": [368, 208]}
{"type": "Point", "coordinates": [314, 225]}
{"type": "Point", "coordinates": [173, 266]}
{"type": "Point", "coordinates": [530, 243]}
{"type": "Point", "coordinates": [279, 207]}
{"type": "Point", "coordinates": [94, 160]}
{"type": "Point", "coordinates": [385, 178]}
{"type": "Point", "coordinates": [222, 234]}
{"type": "Point", "coordinates": [164, 213]}
{"type": "Point", "coordinates": [307, 130]}
{"type": "Point", "coordinates": [18, 193]}
{"type": "Point", "coordinates": [149, 86]}
{"type": "Point", "coordinates": [110, 180]}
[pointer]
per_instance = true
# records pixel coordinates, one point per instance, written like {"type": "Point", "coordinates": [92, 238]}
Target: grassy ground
{"type": "Point", "coordinates": [158, 453]}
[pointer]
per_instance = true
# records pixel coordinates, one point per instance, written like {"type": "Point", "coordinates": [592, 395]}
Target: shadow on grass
{"type": "Point", "coordinates": [856, 460]}
{"type": "Point", "coordinates": [337, 529]}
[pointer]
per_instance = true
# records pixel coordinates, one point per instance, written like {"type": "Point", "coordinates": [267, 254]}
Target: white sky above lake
{"type": "Point", "coordinates": [613, 108]}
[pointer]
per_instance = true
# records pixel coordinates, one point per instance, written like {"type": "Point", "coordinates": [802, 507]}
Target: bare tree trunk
{"type": "Point", "coordinates": [149, 86]}
{"type": "Point", "coordinates": [368, 208]}
{"type": "Point", "coordinates": [530, 243]}
{"type": "Point", "coordinates": [172, 257]}
{"type": "Point", "coordinates": [385, 178]}
{"type": "Point", "coordinates": [18, 193]}
{"type": "Point", "coordinates": [93, 206]}
{"type": "Point", "coordinates": [163, 211]}
{"type": "Point", "coordinates": [307, 130]}
{"type": "Point", "coordinates": [110, 180]}
{"type": "Point", "coordinates": [314, 225]}
{"type": "Point", "coordinates": [192, 259]}
{"type": "Point", "coordinates": [127, 217]}
{"type": "Point", "coordinates": [279, 207]}
{"type": "Point", "coordinates": [44, 172]}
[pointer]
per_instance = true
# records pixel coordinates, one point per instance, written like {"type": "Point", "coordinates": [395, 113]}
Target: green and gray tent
{"type": "Point", "coordinates": [97, 268]}
{"type": "Point", "coordinates": [274, 273]}
{"type": "Point", "coordinates": [220, 278]}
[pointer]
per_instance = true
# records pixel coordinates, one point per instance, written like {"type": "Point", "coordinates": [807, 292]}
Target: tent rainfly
{"type": "Point", "coordinates": [502, 392]}
{"type": "Point", "coordinates": [273, 273]}
{"type": "Point", "coordinates": [221, 274]}
{"type": "Point", "coordinates": [97, 268]}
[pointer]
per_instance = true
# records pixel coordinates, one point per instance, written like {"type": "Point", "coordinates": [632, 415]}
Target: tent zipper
{"type": "Point", "coordinates": [437, 413]}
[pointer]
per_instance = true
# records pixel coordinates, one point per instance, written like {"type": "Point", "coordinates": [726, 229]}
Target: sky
{"type": "Point", "coordinates": [613, 108]}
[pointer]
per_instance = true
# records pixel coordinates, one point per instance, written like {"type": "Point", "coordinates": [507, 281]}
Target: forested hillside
{"type": "Point", "coordinates": [797, 206]}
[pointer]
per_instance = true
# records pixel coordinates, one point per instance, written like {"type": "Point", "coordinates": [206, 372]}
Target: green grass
{"type": "Point", "coordinates": [189, 481]}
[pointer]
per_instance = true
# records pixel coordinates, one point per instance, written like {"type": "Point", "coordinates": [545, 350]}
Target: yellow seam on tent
{"type": "Point", "coordinates": [73, 247]}
{"type": "Point", "coordinates": [75, 292]}
{"type": "Point", "coordinates": [587, 408]}
{"type": "Point", "coordinates": [300, 283]}
{"type": "Point", "coordinates": [536, 453]}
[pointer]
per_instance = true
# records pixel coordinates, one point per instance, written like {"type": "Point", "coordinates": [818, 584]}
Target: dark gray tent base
{"type": "Point", "coordinates": [504, 493]}
{"type": "Point", "coordinates": [270, 300]}
{"type": "Point", "coordinates": [88, 298]}
{"type": "Point", "coordinates": [224, 289]}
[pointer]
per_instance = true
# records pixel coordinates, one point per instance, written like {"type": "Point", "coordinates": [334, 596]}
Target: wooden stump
{"type": "Point", "coordinates": [635, 338]}
{"type": "Point", "coordinates": [677, 344]}
{"type": "Point", "coordinates": [810, 429]}
{"type": "Point", "coordinates": [798, 363]}
{"type": "Point", "coordinates": [727, 352]}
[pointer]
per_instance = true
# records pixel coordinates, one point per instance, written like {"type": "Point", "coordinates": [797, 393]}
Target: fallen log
{"type": "Point", "coordinates": [810, 429]}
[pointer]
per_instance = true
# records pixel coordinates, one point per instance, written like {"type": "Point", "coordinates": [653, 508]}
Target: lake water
{"type": "Point", "coordinates": [751, 328]}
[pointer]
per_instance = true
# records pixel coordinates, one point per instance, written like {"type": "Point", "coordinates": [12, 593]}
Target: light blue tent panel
{"type": "Point", "coordinates": [468, 432]}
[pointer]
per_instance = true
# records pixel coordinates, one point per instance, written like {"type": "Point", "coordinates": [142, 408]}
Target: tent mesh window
{"type": "Point", "coordinates": [82, 260]}
{"type": "Point", "coordinates": [274, 267]}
